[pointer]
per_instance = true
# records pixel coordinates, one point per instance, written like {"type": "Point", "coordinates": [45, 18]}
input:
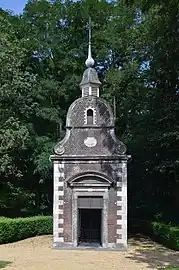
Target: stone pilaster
{"type": "Point", "coordinates": [121, 229]}
{"type": "Point", "coordinates": [58, 203]}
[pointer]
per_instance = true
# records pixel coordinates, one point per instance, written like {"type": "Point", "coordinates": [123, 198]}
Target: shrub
{"type": "Point", "coordinates": [16, 229]}
{"type": "Point", "coordinates": [3, 264]}
{"type": "Point", "coordinates": [165, 234]}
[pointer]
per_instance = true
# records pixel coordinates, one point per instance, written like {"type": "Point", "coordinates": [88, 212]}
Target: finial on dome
{"type": "Point", "coordinates": [90, 61]}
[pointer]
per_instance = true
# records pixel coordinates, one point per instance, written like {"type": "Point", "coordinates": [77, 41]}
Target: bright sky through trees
{"type": "Point", "coordinates": [15, 5]}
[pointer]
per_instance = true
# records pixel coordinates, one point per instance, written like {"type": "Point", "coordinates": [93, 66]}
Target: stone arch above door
{"type": "Point", "coordinates": [90, 179]}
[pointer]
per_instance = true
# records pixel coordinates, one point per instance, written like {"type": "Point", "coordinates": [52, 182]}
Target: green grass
{"type": "Point", "coordinates": [3, 264]}
{"type": "Point", "coordinates": [172, 268]}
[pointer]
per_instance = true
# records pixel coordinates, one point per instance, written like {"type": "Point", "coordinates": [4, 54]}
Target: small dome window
{"type": "Point", "coordinates": [90, 117]}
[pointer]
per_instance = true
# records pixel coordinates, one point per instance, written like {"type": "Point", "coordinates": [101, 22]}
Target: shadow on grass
{"type": "Point", "coordinates": [3, 264]}
{"type": "Point", "coordinates": [152, 254]}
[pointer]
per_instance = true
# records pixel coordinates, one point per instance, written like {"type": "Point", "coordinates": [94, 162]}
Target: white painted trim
{"type": "Point", "coordinates": [56, 239]}
{"type": "Point", "coordinates": [94, 115]}
{"type": "Point", "coordinates": [61, 221]}
{"type": "Point", "coordinates": [55, 169]}
{"type": "Point", "coordinates": [120, 193]}
{"type": "Point", "coordinates": [111, 245]}
{"type": "Point", "coordinates": [60, 211]}
{"type": "Point", "coordinates": [60, 202]}
{"type": "Point", "coordinates": [60, 184]}
{"type": "Point", "coordinates": [60, 230]}
{"type": "Point", "coordinates": [61, 239]}
{"type": "Point", "coordinates": [123, 223]}
{"type": "Point", "coordinates": [118, 203]}
{"type": "Point", "coordinates": [118, 221]}
{"type": "Point", "coordinates": [119, 241]}
{"type": "Point", "coordinates": [119, 173]}
{"type": "Point", "coordinates": [97, 92]}
{"type": "Point", "coordinates": [124, 216]}
{"type": "Point", "coordinates": [119, 184]}
{"type": "Point", "coordinates": [61, 193]}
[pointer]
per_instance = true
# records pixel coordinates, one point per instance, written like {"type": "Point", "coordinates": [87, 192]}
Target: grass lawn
{"type": "Point", "coordinates": [3, 264]}
{"type": "Point", "coordinates": [172, 268]}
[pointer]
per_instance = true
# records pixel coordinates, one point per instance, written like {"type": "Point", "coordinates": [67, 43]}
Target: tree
{"type": "Point", "coordinates": [41, 64]}
{"type": "Point", "coordinates": [144, 80]}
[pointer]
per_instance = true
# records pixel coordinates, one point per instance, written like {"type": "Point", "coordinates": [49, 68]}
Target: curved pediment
{"type": "Point", "coordinates": [90, 179]}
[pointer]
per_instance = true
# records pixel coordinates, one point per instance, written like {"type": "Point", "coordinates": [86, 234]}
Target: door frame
{"type": "Point", "coordinates": [104, 213]}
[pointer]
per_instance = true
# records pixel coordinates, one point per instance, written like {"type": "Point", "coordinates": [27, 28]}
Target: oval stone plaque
{"type": "Point", "coordinates": [90, 142]}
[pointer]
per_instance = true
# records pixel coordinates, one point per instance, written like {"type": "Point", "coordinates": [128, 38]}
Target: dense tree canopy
{"type": "Point", "coordinates": [42, 54]}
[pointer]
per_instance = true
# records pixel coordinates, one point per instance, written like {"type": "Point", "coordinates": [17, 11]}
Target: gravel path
{"type": "Point", "coordinates": [36, 254]}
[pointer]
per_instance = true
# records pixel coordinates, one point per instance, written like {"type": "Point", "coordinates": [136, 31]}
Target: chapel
{"type": "Point", "coordinates": [90, 173]}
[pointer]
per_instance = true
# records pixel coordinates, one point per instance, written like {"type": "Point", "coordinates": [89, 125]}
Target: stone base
{"type": "Point", "coordinates": [69, 246]}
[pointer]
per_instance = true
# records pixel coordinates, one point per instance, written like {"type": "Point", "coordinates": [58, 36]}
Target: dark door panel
{"type": "Point", "coordinates": [90, 226]}
{"type": "Point", "coordinates": [90, 202]}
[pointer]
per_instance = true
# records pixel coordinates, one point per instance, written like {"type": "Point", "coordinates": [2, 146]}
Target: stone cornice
{"type": "Point", "coordinates": [90, 158]}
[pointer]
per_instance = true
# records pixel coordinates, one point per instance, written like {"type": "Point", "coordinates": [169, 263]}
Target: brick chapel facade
{"type": "Point", "coordinates": [90, 174]}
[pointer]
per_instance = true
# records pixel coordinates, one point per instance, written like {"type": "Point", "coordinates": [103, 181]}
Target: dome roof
{"type": "Point", "coordinates": [90, 76]}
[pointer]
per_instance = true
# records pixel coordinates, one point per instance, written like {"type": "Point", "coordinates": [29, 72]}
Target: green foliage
{"type": "Point", "coordinates": [12, 230]}
{"type": "Point", "coordinates": [3, 264]}
{"type": "Point", "coordinates": [172, 268]}
{"type": "Point", "coordinates": [166, 234]}
{"type": "Point", "coordinates": [163, 233]}
{"type": "Point", "coordinates": [145, 84]}
{"type": "Point", "coordinates": [42, 59]}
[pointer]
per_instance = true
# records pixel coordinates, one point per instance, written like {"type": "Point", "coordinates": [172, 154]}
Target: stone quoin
{"type": "Point", "coordinates": [90, 174]}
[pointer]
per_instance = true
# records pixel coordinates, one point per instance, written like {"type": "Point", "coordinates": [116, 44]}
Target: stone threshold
{"type": "Point", "coordinates": [90, 248]}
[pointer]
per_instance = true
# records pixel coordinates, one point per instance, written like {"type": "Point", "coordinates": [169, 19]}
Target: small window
{"type": "Point", "coordinates": [89, 117]}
